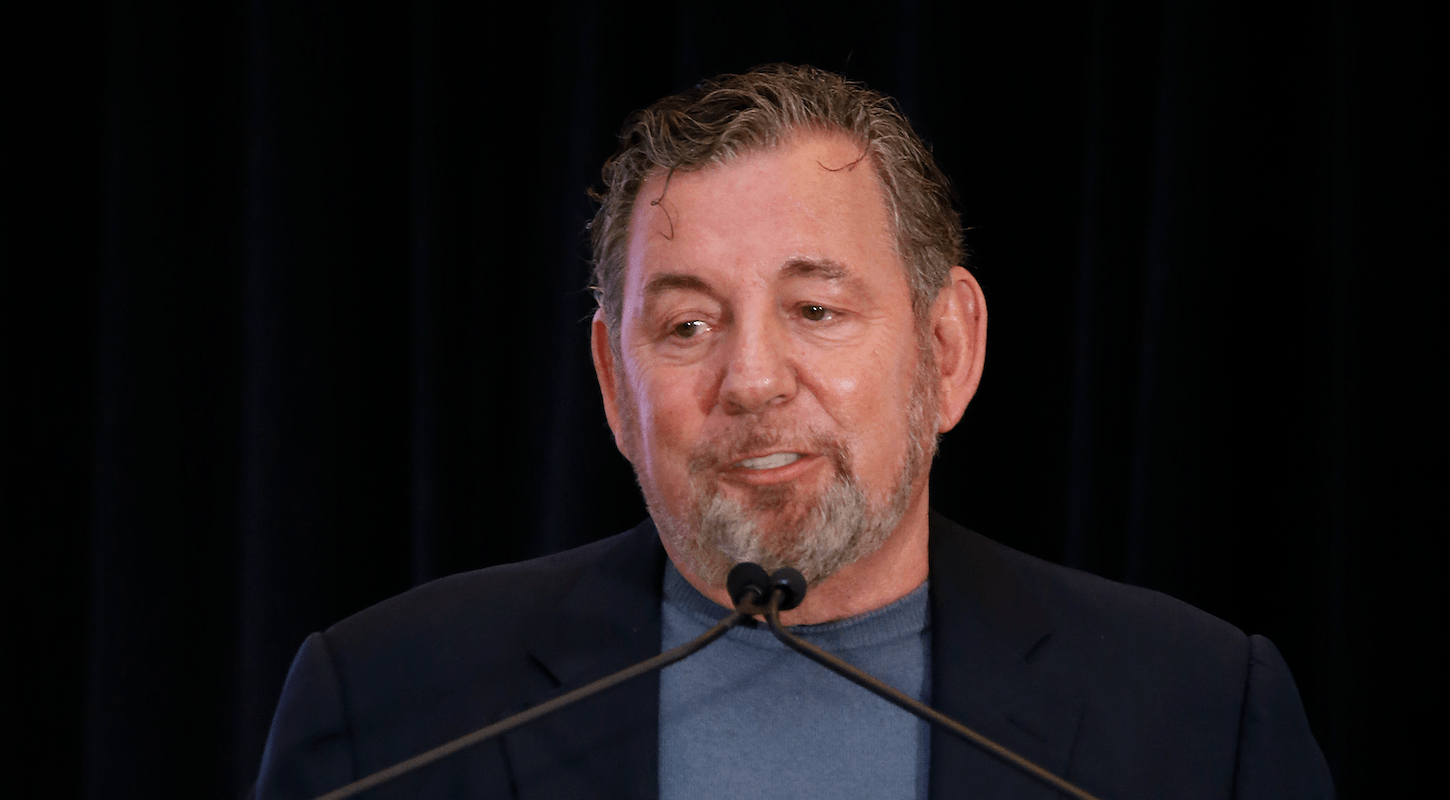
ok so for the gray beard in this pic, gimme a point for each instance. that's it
(838, 529)
(817, 535)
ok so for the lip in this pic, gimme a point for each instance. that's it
(758, 477)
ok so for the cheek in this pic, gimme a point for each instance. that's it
(868, 392)
(846, 386)
(873, 406)
(666, 419)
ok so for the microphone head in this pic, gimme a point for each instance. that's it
(745, 577)
(792, 585)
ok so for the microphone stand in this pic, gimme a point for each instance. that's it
(788, 589)
(747, 584)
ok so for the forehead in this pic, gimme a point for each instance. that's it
(816, 196)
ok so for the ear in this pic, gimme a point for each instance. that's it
(604, 370)
(959, 334)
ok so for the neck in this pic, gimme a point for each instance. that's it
(877, 580)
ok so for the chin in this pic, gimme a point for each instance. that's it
(818, 535)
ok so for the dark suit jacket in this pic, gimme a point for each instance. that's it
(1124, 691)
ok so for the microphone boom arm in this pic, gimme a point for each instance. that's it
(911, 704)
(543, 709)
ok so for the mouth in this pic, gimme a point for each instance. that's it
(771, 461)
(765, 458)
(780, 468)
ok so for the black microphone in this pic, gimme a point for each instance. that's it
(788, 589)
(748, 585)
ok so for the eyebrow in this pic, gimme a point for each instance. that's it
(669, 281)
(823, 268)
(815, 268)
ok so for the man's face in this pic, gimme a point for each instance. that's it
(773, 393)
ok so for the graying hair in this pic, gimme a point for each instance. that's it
(731, 115)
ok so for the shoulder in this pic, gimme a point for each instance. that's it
(474, 616)
(1129, 650)
(1184, 685)
(1096, 608)
(460, 647)
(1027, 597)
(439, 661)
(1153, 686)
(504, 592)
(1136, 665)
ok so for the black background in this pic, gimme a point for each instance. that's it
(295, 317)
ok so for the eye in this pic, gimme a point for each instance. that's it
(689, 328)
(815, 313)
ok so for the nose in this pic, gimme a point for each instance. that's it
(758, 370)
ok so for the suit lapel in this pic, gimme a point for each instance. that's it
(986, 623)
(606, 746)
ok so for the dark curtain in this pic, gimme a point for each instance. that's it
(295, 317)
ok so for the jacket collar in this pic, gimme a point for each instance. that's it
(986, 625)
(607, 745)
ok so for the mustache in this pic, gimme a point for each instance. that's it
(724, 452)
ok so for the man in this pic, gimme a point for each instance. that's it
(784, 331)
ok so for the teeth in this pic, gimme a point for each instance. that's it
(771, 461)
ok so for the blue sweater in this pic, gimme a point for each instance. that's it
(748, 717)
